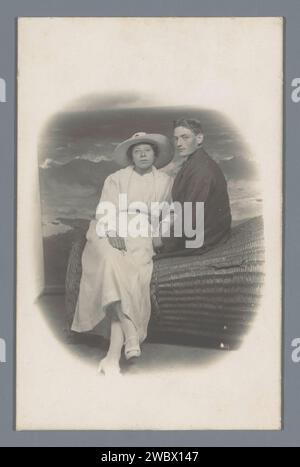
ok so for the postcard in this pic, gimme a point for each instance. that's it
(149, 223)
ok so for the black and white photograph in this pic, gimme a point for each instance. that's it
(149, 223)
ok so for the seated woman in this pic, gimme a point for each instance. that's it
(114, 293)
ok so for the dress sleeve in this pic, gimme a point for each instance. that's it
(107, 208)
(165, 216)
(167, 194)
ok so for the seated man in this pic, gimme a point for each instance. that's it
(199, 180)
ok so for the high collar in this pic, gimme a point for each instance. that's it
(151, 172)
(198, 153)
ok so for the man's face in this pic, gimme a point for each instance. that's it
(186, 142)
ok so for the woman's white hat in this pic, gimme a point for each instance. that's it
(165, 150)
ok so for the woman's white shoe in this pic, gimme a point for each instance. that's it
(109, 367)
(132, 348)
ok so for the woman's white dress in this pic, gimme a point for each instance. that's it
(110, 275)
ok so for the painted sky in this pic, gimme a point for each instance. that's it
(76, 147)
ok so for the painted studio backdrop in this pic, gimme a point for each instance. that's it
(75, 157)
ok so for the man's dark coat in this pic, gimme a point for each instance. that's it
(200, 179)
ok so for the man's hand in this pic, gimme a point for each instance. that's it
(116, 241)
(157, 243)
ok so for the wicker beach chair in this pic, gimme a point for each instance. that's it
(208, 300)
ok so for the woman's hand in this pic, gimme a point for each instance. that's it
(116, 241)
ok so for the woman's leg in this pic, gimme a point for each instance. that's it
(132, 345)
(122, 331)
(111, 363)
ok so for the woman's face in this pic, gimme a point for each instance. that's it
(143, 156)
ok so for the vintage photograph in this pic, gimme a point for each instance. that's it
(149, 223)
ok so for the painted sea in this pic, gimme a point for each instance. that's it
(75, 157)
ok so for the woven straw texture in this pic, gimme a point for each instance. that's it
(207, 300)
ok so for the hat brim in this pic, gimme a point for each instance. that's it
(165, 149)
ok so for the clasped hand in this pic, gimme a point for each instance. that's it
(116, 241)
(119, 242)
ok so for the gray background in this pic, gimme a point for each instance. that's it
(290, 9)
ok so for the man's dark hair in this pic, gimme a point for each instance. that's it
(130, 149)
(191, 123)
